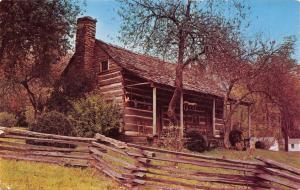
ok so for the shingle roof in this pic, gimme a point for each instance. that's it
(161, 72)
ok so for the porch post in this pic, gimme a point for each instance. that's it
(154, 127)
(181, 114)
(230, 119)
(249, 121)
(214, 116)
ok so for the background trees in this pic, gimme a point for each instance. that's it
(34, 35)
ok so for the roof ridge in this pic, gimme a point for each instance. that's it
(134, 52)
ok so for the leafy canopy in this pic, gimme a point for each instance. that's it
(164, 27)
(34, 35)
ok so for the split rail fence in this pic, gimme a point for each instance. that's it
(142, 166)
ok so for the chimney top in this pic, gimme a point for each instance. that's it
(87, 18)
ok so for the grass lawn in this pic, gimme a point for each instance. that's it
(22, 175)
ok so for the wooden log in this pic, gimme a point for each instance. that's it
(110, 81)
(124, 177)
(280, 165)
(116, 143)
(48, 140)
(120, 161)
(222, 180)
(186, 171)
(109, 148)
(197, 163)
(111, 173)
(27, 147)
(192, 155)
(217, 162)
(137, 111)
(101, 161)
(276, 172)
(60, 161)
(183, 184)
(44, 135)
(44, 153)
(138, 119)
(109, 75)
(271, 178)
(111, 87)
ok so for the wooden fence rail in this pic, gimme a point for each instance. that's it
(136, 165)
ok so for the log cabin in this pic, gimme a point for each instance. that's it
(143, 86)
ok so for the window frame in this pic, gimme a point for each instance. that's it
(101, 66)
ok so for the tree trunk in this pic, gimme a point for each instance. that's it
(285, 126)
(176, 94)
(226, 137)
(286, 142)
(227, 126)
(178, 79)
(32, 98)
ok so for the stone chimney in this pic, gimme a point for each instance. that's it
(84, 49)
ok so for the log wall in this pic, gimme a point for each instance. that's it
(110, 82)
(138, 108)
(134, 95)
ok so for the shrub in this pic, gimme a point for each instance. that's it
(235, 136)
(59, 102)
(170, 139)
(7, 119)
(259, 145)
(93, 115)
(54, 123)
(21, 119)
(196, 142)
(30, 116)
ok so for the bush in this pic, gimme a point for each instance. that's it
(54, 123)
(196, 142)
(21, 119)
(235, 137)
(170, 139)
(7, 119)
(93, 115)
(59, 102)
(260, 145)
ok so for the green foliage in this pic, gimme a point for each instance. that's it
(260, 145)
(170, 139)
(54, 123)
(21, 119)
(235, 136)
(7, 119)
(196, 142)
(41, 31)
(59, 102)
(93, 115)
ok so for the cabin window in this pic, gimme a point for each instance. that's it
(292, 145)
(104, 66)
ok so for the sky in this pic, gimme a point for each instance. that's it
(274, 19)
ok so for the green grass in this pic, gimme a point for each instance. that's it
(22, 175)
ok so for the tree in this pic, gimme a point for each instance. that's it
(241, 71)
(34, 35)
(264, 72)
(182, 32)
(280, 86)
